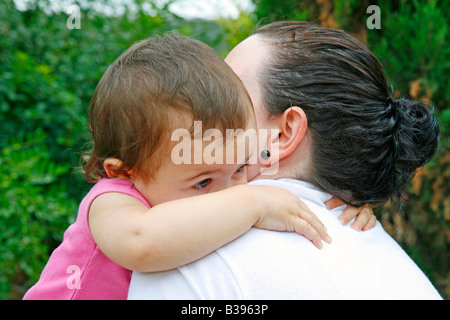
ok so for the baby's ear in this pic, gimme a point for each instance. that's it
(115, 168)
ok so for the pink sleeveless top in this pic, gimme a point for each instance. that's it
(77, 269)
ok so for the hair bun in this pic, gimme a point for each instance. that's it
(415, 137)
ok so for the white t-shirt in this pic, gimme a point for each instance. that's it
(282, 265)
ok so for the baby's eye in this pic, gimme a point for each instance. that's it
(241, 169)
(203, 184)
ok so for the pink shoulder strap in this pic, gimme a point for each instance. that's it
(105, 185)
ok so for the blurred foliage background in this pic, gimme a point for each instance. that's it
(48, 74)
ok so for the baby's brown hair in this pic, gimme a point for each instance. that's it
(144, 94)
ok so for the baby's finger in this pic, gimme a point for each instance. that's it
(369, 225)
(362, 218)
(348, 214)
(314, 221)
(304, 228)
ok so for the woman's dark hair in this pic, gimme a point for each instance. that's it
(366, 146)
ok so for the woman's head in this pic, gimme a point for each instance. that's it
(365, 146)
(157, 86)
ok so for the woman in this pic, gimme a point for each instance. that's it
(363, 146)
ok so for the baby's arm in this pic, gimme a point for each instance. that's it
(181, 231)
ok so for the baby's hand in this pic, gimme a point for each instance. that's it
(283, 211)
(365, 219)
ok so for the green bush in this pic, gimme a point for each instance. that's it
(34, 208)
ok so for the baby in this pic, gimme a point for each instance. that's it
(147, 212)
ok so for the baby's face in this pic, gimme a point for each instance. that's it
(197, 167)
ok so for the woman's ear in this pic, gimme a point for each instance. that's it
(115, 168)
(292, 124)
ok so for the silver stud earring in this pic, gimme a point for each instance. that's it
(265, 154)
